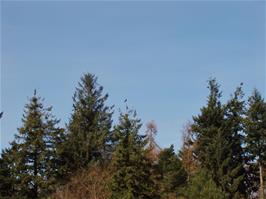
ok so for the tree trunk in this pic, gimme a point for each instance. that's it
(261, 190)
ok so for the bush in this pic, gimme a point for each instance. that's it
(91, 183)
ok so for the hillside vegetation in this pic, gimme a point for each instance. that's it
(223, 154)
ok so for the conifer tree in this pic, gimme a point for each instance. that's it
(202, 186)
(31, 154)
(6, 179)
(232, 171)
(89, 135)
(172, 174)
(208, 126)
(219, 149)
(54, 139)
(208, 130)
(131, 168)
(255, 129)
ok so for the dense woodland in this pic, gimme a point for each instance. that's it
(222, 157)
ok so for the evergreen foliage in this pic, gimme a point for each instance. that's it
(223, 154)
(218, 129)
(6, 179)
(208, 127)
(202, 186)
(131, 167)
(32, 157)
(233, 176)
(255, 125)
(172, 176)
(89, 135)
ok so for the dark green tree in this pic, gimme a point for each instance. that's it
(172, 176)
(218, 130)
(131, 167)
(233, 177)
(255, 129)
(202, 186)
(7, 181)
(31, 154)
(54, 139)
(89, 134)
(208, 126)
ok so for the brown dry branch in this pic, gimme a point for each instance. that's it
(189, 160)
(153, 148)
(86, 184)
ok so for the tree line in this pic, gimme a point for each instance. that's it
(223, 154)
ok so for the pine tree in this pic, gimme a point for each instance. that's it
(131, 168)
(31, 154)
(172, 174)
(255, 129)
(89, 135)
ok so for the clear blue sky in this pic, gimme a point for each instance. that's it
(158, 55)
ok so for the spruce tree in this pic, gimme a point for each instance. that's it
(7, 181)
(131, 167)
(202, 186)
(54, 139)
(89, 135)
(208, 126)
(218, 131)
(208, 130)
(31, 153)
(255, 129)
(233, 175)
(172, 176)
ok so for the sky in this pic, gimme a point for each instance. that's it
(157, 55)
